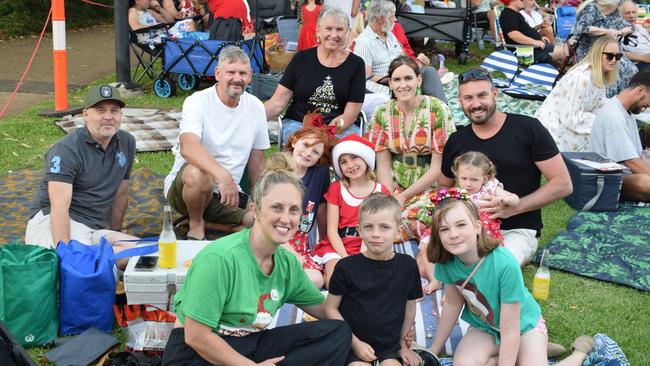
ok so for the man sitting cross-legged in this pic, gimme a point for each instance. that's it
(84, 193)
(222, 129)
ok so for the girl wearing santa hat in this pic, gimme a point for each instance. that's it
(354, 161)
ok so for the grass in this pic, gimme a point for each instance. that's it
(576, 305)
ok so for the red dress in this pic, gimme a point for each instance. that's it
(307, 37)
(348, 204)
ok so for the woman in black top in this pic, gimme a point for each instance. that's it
(327, 79)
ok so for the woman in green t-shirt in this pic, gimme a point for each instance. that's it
(236, 284)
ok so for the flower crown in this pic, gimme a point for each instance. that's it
(442, 194)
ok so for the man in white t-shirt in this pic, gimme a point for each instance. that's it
(223, 129)
(615, 135)
(637, 47)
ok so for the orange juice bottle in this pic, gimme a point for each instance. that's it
(167, 242)
(542, 280)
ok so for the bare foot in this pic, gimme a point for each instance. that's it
(197, 230)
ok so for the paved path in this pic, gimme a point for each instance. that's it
(90, 52)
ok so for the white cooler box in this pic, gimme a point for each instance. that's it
(158, 287)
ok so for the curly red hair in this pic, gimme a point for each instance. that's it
(321, 137)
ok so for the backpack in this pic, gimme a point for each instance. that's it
(11, 352)
(226, 29)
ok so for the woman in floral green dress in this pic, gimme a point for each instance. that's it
(409, 133)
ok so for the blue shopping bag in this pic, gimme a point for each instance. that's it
(87, 287)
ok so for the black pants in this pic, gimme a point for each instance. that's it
(319, 343)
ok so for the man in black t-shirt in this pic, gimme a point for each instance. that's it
(517, 32)
(521, 149)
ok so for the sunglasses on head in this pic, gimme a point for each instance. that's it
(472, 75)
(611, 55)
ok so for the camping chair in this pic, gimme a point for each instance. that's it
(288, 30)
(565, 19)
(361, 122)
(533, 83)
(146, 54)
(504, 62)
(499, 40)
(444, 24)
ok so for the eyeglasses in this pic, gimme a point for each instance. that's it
(611, 55)
(475, 74)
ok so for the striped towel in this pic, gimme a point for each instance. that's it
(426, 318)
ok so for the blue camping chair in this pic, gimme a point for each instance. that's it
(565, 19)
(502, 61)
(533, 83)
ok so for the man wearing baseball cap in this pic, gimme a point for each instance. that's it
(83, 195)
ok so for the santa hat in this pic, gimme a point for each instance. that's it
(355, 145)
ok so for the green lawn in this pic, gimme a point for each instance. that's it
(576, 305)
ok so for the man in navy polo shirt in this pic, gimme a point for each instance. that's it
(84, 193)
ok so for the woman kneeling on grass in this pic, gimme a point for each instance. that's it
(507, 327)
(237, 283)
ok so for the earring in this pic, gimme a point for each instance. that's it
(418, 90)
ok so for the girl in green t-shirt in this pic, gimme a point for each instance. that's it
(484, 281)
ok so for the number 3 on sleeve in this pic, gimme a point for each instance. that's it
(56, 164)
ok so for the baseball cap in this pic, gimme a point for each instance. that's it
(101, 93)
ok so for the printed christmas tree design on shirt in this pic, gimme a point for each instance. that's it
(324, 97)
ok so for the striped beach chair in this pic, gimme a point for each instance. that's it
(502, 61)
(534, 83)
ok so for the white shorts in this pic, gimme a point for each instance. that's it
(522, 243)
(326, 258)
(39, 232)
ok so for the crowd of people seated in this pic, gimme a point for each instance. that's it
(471, 196)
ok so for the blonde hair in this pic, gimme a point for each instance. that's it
(475, 159)
(594, 59)
(279, 171)
(436, 252)
(379, 201)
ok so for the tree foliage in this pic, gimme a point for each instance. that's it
(26, 17)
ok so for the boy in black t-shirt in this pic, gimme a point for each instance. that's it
(375, 291)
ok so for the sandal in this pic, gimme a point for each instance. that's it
(583, 344)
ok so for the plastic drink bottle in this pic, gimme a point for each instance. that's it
(167, 242)
(441, 65)
(542, 280)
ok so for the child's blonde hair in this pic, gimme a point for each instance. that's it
(475, 159)
(379, 201)
(436, 252)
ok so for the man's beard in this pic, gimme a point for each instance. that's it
(235, 93)
(388, 27)
(637, 108)
(490, 110)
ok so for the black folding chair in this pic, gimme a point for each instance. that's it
(146, 53)
(445, 24)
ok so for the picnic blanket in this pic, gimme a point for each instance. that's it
(143, 215)
(426, 318)
(609, 246)
(153, 129)
(505, 103)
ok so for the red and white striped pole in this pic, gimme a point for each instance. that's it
(59, 54)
